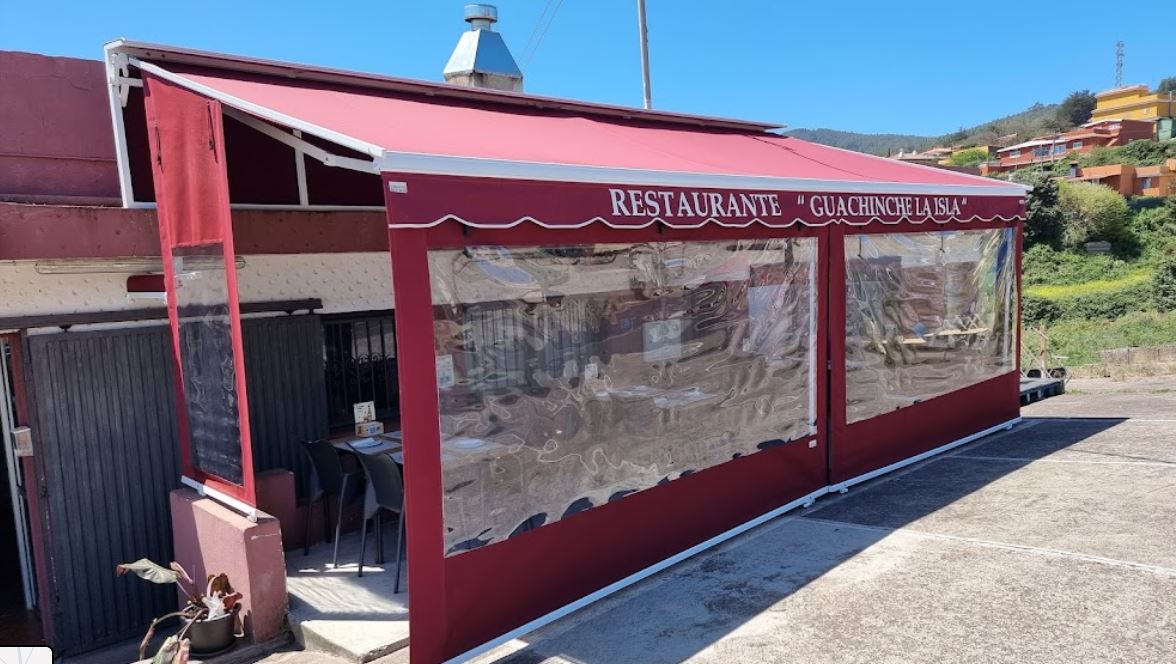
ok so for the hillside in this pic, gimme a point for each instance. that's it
(879, 144)
(1016, 127)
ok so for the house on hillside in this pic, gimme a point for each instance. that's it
(1081, 140)
(1129, 180)
(930, 157)
(1133, 102)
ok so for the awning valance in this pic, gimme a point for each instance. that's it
(422, 201)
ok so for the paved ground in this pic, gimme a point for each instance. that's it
(1055, 542)
(333, 610)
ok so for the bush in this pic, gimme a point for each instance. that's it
(1090, 305)
(1039, 310)
(969, 157)
(1164, 286)
(1042, 265)
(1043, 217)
(1092, 212)
(1080, 341)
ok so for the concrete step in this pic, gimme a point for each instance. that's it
(334, 611)
(354, 640)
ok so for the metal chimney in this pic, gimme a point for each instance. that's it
(481, 58)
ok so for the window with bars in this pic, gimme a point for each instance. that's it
(359, 353)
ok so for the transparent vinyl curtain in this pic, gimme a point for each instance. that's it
(926, 314)
(573, 376)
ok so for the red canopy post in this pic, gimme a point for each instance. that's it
(422, 436)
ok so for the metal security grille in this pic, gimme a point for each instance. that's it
(109, 454)
(359, 353)
(108, 450)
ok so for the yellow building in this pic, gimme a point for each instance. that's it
(1133, 102)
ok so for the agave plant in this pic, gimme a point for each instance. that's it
(217, 601)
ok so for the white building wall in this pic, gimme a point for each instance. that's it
(344, 282)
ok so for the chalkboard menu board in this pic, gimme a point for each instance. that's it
(210, 394)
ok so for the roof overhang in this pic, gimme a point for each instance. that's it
(369, 125)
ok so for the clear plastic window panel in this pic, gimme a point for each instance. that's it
(572, 376)
(206, 356)
(926, 314)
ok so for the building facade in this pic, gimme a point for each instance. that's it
(1130, 180)
(1081, 140)
(1133, 102)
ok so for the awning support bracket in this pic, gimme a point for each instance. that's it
(302, 147)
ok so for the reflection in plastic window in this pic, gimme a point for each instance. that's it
(572, 376)
(926, 314)
(206, 355)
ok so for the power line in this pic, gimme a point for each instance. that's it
(527, 57)
(535, 27)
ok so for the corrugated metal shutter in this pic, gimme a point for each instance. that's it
(287, 390)
(109, 455)
(109, 452)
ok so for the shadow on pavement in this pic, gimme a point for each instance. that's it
(697, 603)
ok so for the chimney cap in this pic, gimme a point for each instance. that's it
(476, 11)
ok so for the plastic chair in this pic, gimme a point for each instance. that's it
(328, 479)
(385, 492)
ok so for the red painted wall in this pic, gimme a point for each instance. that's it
(56, 143)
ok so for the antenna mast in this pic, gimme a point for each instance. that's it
(1119, 64)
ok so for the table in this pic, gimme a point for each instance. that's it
(390, 443)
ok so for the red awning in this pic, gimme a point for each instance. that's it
(646, 167)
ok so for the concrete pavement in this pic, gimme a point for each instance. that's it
(1054, 542)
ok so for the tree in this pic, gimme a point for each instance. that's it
(1043, 216)
(1076, 108)
(1167, 85)
(1092, 212)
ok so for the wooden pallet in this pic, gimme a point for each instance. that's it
(1036, 389)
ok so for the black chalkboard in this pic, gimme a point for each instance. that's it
(210, 391)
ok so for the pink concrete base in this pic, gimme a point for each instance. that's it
(276, 496)
(210, 538)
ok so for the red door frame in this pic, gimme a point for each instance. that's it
(22, 415)
(538, 572)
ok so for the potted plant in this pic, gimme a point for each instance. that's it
(210, 620)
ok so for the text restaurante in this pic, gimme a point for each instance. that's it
(652, 203)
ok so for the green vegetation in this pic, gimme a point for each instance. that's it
(1044, 224)
(877, 144)
(1167, 85)
(1093, 213)
(1079, 341)
(1075, 109)
(1092, 302)
(1136, 153)
(1037, 119)
(969, 157)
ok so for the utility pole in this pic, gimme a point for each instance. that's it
(1119, 64)
(644, 35)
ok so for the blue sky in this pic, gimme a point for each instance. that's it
(903, 67)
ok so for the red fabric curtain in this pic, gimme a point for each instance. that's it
(195, 227)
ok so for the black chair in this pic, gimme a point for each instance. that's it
(385, 493)
(328, 479)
